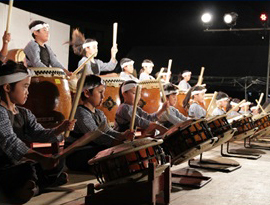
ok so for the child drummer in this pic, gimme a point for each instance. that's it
(244, 108)
(127, 69)
(147, 68)
(222, 100)
(185, 77)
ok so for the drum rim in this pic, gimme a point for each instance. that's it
(211, 119)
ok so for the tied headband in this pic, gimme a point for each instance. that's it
(89, 44)
(40, 26)
(233, 103)
(169, 92)
(16, 77)
(223, 99)
(186, 74)
(128, 86)
(244, 104)
(198, 91)
(90, 87)
(147, 65)
(127, 63)
(254, 108)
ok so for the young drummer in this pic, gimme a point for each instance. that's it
(87, 47)
(185, 77)
(175, 116)
(222, 100)
(255, 110)
(39, 54)
(244, 108)
(164, 75)
(234, 102)
(89, 119)
(4, 50)
(127, 67)
(18, 124)
(124, 112)
(147, 67)
(196, 94)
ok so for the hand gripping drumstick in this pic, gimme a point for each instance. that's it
(83, 64)
(160, 73)
(169, 70)
(260, 100)
(163, 95)
(9, 15)
(211, 103)
(261, 107)
(115, 25)
(136, 100)
(77, 98)
(237, 106)
(201, 77)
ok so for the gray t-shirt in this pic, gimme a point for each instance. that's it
(217, 111)
(126, 77)
(184, 85)
(196, 111)
(173, 118)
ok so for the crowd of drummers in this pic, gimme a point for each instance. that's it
(25, 172)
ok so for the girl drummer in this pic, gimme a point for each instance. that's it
(87, 47)
(18, 124)
(127, 69)
(185, 77)
(175, 116)
(89, 119)
(124, 112)
(147, 67)
(222, 100)
(196, 109)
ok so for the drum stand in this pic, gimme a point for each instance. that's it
(264, 143)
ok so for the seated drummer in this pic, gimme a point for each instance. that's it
(143, 120)
(194, 102)
(89, 119)
(164, 75)
(244, 108)
(234, 102)
(222, 100)
(175, 116)
(127, 69)
(39, 54)
(86, 48)
(21, 168)
(184, 78)
(255, 110)
(147, 68)
(4, 50)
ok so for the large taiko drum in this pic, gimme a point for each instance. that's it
(111, 99)
(187, 139)
(49, 96)
(262, 121)
(127, 159)
(16, 55)
(150, 96)
(179, 104)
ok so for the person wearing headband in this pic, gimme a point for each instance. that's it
(222, 100)
(86, 48)
(164, 75)
(143, 120)
(184, 78)
(175, 116)
(18, 124)
(244, 108)
(127, 69)
(232, 105)
(255, 110)
(89, 118)
(4, 50)
(194, 102)
(38, 54)
(147, 67)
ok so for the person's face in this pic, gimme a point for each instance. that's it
(97, 96)
(172, 99)
(92, 49)
(148, 69)
(224, 103)
(187, 78)
(20, 93)
(235, 108)
(199, 97)
(42, 34)
(129, 96)
(129, 69)
(255, 111)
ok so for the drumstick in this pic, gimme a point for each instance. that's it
(85, 139)
(169, 70)
(9, 15)
(260, 100)
(160, 73)
(163, 94)
(201, 77)
(136, 100)
(261, 107)
(83, 64)
(115, 25)
(237, 106)
(77, 98)
(210, 104)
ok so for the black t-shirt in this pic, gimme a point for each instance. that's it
(44, 55)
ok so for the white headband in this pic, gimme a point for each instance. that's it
(186, 74)
(147, 64)
(223, 99)
(88, 87)
(166, 92)
(233, 103)
(128, 86)
(254, 108)
(244, 104)
(89, 44)
(127, 63)
(15, 77)
(198, 91)
(39, 26)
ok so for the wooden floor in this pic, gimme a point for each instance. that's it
(249, 185)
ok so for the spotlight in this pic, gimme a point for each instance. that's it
(264, 19)
(207, 20)
(230, 19)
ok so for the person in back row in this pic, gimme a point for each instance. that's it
(147, 67)
(184, 78)
(127, 69)
(222, 100)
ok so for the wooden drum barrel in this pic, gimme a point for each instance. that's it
(16, 55)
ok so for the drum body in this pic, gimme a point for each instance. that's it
(218, 125)
(262, 122)
(16, 55)
(127, 159)
(49, 96)
(243, 125)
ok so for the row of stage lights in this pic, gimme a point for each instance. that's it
(229, 19)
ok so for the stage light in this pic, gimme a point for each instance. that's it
(264, 19)
(207, 20)
(230, 19)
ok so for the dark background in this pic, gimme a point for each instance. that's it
(163, 30)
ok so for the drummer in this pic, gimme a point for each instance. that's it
(4, 50)
(222, 100)
(143, 120)
(39, 54)
(88, 120)
(184, 78)
(244, 108)
(175, 116)
(196, 109)
(127, 69)
(147, 68)
(164, 75)
(86, 48)
(234, 102)
(255, 110)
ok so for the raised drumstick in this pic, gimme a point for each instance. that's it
(115, 25)
(136, 100)
(83, 64)
(169, 70)
(237, 106)
(160, 73)
(201, 77)
(211, 103)
(260, 100)
(163, 95)
(261, 107)
(9, 15)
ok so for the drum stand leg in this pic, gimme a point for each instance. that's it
(245, 155)
(247, 144)
(216, 164)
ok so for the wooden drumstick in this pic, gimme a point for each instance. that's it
(211, 103)
(163, 95)
(9, 15)
(136, 100)
(237, 106)
(160, 73)
(169, 70)
(83, 64)
(115, 25)
(77, 98)
(261, 107)
(201, 77)
(260, 100)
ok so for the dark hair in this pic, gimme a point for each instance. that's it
(91, 81)
(164, 71)
(221, 95)
(169, 87)
(124, 60)
(120, 89)
(180, 77)
(34, 23)
(188, 95)
(145, 61)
